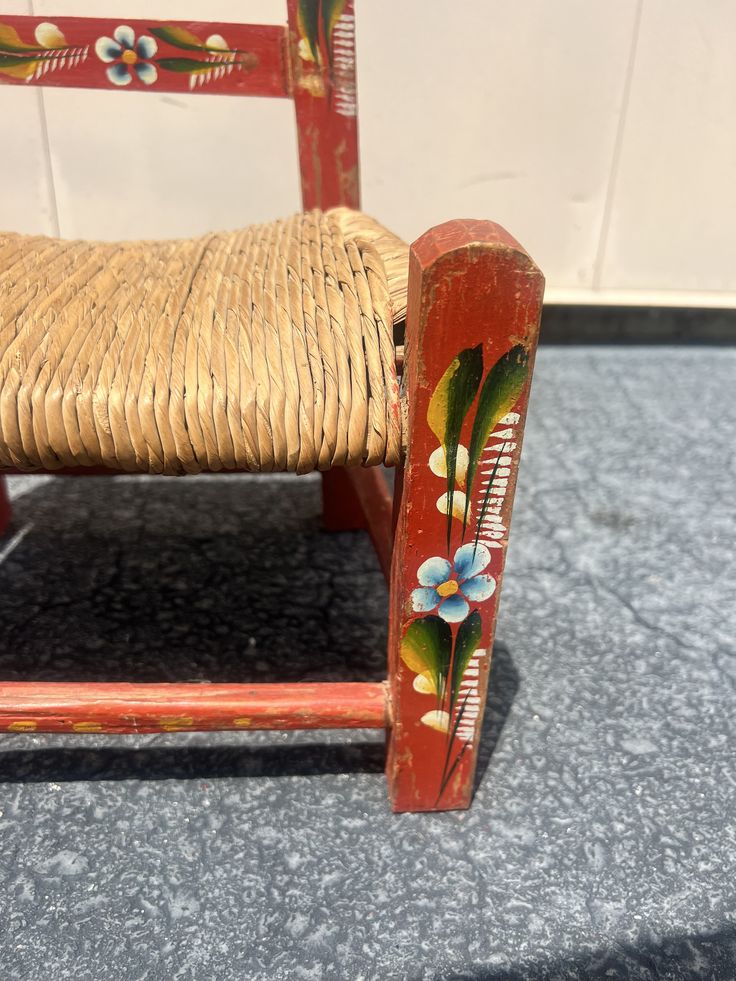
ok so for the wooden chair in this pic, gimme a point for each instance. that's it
(453, 430)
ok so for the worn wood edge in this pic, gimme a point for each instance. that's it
(441, 241)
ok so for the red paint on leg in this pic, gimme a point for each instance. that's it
(341, 510)
(474, 305)
(323, 79)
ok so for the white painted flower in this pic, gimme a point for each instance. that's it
(450, 587)
(123, 53)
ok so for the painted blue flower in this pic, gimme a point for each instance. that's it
(123, 49)
(452, 586)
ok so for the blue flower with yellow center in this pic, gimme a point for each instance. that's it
(123, 53)
(450, 587)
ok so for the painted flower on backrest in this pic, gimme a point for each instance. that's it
(123, 53)
(450, 587)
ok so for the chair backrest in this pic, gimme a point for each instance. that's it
(311, 60)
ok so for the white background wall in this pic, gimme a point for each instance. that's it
(602, 134)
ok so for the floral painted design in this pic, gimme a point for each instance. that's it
(127, 53)
(48, 52)
(449, 587)
(327, 52)
(441, 643)
(128, 56)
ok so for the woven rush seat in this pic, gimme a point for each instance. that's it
(265, 349)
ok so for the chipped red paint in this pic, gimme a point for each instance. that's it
(326, 114)
(255, 63)
(121, 708)
(470, 283)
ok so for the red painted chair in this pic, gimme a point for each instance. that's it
(474, 299)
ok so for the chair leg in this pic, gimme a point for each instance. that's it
(341, 509)
(473, 318)
(5, 510)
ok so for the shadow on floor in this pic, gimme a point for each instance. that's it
(188, 580)
(503, 684)
(187, 762)
(197, 581)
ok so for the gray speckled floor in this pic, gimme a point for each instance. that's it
(602, 842)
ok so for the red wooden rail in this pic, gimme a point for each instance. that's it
(145, 55)
(121, 708)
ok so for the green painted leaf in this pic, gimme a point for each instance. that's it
(189, 66)
(501, 388)
(308, 21)
(331, 13)
(178, 37)
(448, 407)
(466, 644)
(447, 774)
(10, 61)
(426, 648)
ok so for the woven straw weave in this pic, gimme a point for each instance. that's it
(266, 349)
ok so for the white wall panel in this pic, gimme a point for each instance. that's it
(144, 165)
(499, 110)
(26, 192)
(672, 215)
(138, 165)
(600, 134)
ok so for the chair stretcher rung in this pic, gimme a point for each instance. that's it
(118, 708)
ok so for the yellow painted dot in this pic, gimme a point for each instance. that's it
(87, 727)
(243, 722)
(129, 57)
(448, 588)
(172, 723)
(23, 725)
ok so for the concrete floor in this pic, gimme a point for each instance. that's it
(602, 841)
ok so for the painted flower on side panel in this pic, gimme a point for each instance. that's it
(125, 55)
(450, 587)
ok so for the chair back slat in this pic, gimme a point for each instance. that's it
(145, 55)
(312, 61)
